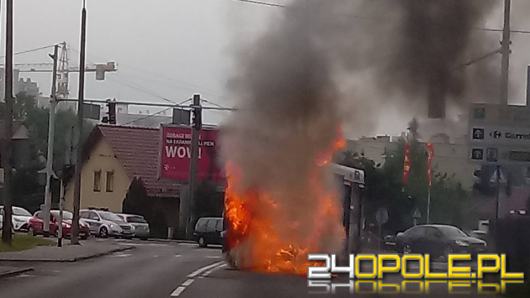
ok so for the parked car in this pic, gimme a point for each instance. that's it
(208, 230)
(105, 223)
(140, 225)
(482, 235)
(36, 224)
(20, 218)
(438, 240)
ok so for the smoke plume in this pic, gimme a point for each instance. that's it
(327, 63)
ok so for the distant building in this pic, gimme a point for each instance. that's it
(28, 87)
(142, 120)
(450, 153)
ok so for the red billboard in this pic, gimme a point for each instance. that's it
(175, 154)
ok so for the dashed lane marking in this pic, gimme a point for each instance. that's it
(187, 282)
(213, 269)
(121, 255)
(203, 271)
(178, 291)
(205, 268)
(213, 257)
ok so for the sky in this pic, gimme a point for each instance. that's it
(174, 48)
(163, 48)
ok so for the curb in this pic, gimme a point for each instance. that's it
(171, 240)
(71, 260)
(15, 272)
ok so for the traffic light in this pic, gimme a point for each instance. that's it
(197, 118)
(111, 118)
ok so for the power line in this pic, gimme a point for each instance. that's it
(30, 51)
(147, 117)
(517, 31)
(263, 3)
(213, 103)
(141, 89)
(157, 113)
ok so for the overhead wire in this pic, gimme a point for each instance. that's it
(157, 77)
(263, 3)
(31, 51)
(157, 113)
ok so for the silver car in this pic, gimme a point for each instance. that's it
(141, 227)
(105, 223)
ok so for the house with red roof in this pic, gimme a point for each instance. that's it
(120, 163)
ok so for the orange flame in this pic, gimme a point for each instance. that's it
(257, 242)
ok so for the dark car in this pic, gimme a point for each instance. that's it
(438, 241)
(208, 231)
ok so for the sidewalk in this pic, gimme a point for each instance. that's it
(67, 253)
(6, 271)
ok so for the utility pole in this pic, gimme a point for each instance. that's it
(505, 50)
(51, 140)
(79, 151)
(8, 125)
(195, 132)
(498, 191)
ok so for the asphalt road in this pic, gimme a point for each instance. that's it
(169, 269)
(153, 269)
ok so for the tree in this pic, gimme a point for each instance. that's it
(384, 188)
(36, 121)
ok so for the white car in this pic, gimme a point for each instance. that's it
(20, 218)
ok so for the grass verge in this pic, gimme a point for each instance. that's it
(23, 242)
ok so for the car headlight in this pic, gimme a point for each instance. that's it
(461, 243)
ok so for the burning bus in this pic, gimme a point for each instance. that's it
(254, 240)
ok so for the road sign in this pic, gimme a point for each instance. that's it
(499, 134)
(92, 111)
(506, 135)
(381, 216)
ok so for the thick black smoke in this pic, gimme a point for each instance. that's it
(330, 62)
(434, 41)
(327, 62)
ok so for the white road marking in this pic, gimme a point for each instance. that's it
(178, 291)
(213, 269)
(187, 282)
(213, 257)
(188, 244)
(201, 270)
(143, 244)
(178, 256)
(121, 255)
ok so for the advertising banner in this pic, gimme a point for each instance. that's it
(175, 154)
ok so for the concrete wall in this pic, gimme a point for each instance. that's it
(102, 158)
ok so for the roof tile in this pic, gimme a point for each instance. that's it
(137, 149)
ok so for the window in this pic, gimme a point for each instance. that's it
(110, 181)
(97, 181)
(210, 226)
(93, 216)
(219, 227)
